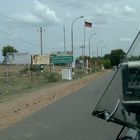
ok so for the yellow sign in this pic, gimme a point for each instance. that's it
(40, 59)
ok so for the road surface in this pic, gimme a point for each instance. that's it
(67, 119)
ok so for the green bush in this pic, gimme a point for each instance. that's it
(95, 69)
(107, 64)
(24, 70)
(52, 77)
(34, 68)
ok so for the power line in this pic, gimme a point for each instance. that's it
(6, 18)
(54, 36)
(27, 24)
(20, 39)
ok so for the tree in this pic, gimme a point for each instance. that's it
(107, 63)
(8, 49)
(106, 56)
(116, 57)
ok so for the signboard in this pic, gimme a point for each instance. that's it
(61, 59)
(62, 53)
(40, 59)
(66, 74)
(18, 58)
(10, 58)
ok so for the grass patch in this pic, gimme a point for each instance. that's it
(20, 80)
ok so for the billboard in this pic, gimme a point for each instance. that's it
(10, 58)
(18, 58)
(62, 53)
(61, 57)
(40, 59)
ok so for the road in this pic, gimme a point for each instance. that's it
(67, 119)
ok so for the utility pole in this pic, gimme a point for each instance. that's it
(41, 40)
(64, 39)
(41, 31)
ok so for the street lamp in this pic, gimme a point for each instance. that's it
(72, 31)
(89, 41)
(98, 46)
(82, 47)
(101, 50)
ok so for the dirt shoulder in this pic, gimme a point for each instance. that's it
(21, 106)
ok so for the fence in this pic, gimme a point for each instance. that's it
(14, 78)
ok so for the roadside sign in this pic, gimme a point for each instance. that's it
(66, 74)
(40, 59)
(62, 53)
(18, 58)
(61, 59)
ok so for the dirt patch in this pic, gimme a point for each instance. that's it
(22, 106)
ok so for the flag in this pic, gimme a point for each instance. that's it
(88, 24)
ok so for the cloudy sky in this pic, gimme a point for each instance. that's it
(116, 22)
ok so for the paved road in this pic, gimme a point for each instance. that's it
(67, 119)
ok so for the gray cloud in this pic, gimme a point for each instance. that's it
(105, 13)
(125, 39)
(75, 4)
(82, 3)
(129, 15)
(25, 17)
(129, 10)
(41, 15)
(107, 10)
(100, 21)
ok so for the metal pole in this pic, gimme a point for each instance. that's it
(101, 50)
(64, 39)
(41, 44)
(84, 38)
(89, 41)
(72, 32)
(83, 66)
(97, 51)
(92, 54)
(89, 48)
(98, 46)
(82, 47)
(41, 40)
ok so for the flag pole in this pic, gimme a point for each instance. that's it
(84, 48)
(86, 24)
(84, 37)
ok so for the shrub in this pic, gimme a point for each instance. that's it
(52, 77)
(95, 69)
(24, 70)
(107, 64)
(34, 68)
